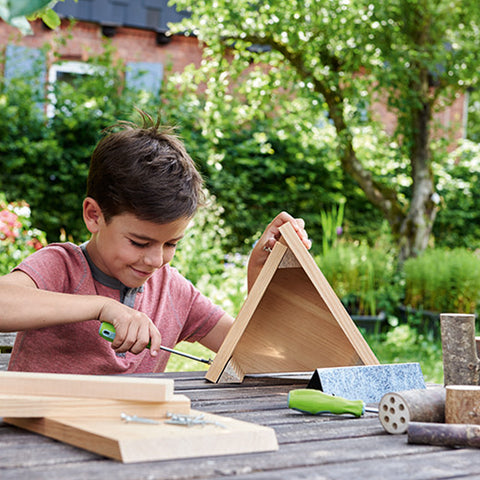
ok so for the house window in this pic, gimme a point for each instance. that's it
(68, 72)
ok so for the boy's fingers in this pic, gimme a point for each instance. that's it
(142, 339)
(273, 233)
(120, 335)
(155, 340)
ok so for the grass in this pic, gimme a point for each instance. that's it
(404, 345)
(178, 363)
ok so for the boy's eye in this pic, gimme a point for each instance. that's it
(137, 244)
(171, 245)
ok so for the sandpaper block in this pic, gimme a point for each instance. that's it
(367, 382)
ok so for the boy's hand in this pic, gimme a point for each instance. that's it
(134, 329)
(268, 239)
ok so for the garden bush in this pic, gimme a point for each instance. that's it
(201, 258)
(443, 280)
(364, 278)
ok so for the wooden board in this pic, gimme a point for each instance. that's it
(88, 386)
(27, 406)
(133, 442)
(291, 321)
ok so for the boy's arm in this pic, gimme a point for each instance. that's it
(215, 337)
(24, 306)
(260, 252)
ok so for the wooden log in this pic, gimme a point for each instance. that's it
(397, 410)
(444, 434)
(462, 404)
(461, 365)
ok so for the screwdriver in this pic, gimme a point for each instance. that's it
(107, 331)
(314, 401)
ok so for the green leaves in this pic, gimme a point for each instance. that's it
(19, 12)
(25, 8)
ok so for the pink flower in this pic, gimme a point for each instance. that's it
(9, 225)
(35, 243)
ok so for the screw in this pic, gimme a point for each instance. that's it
(134, 419)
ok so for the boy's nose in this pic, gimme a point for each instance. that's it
(154, 258)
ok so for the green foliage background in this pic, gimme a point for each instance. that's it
(254, 165)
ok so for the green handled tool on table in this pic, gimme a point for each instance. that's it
(312, 401)
(107, 331)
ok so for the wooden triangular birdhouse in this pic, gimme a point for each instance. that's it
(291, 321)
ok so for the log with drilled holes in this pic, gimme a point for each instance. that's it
(397, 410)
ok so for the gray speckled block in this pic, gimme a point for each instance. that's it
(367, 382)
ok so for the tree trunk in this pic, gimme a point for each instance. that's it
(416, 228)
(412, 229)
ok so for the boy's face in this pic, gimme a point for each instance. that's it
(131, 250)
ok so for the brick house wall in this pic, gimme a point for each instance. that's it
(131, 44)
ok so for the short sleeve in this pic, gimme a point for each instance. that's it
(57, 268)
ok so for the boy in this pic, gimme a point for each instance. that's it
(142, 191)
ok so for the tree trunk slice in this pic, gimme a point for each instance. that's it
(463, 404)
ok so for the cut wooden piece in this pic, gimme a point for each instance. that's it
(461, 365)
(231, 373)
(462, 404)
(291, 321)
(134, 442)
(88, 386)
(23, 406)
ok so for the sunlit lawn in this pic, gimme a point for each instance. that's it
(182, 364)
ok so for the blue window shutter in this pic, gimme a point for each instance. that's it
(144, 76)
(29, 65)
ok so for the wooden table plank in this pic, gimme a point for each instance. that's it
(327, 446)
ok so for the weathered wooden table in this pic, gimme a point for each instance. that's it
(320, 447)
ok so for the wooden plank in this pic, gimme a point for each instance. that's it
(87, 386)
(43, 406)
(291, 321)
(135, 442)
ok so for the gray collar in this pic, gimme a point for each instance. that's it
(127, 294)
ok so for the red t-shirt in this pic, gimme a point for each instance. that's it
(177, 308)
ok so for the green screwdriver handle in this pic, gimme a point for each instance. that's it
(315, 402)
(107, 331)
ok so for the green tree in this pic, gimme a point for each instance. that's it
(344, 56)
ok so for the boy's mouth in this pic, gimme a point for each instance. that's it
(141, 273)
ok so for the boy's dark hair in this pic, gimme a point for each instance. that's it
(144, 170)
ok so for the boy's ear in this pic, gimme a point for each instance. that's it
(92, 214)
